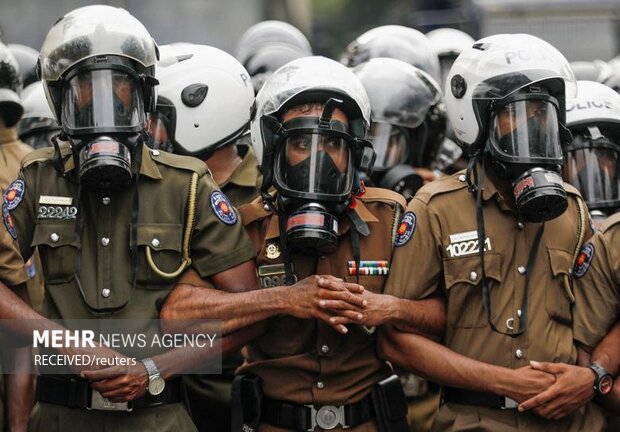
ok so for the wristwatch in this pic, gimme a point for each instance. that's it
(156, 382)
(603, 382)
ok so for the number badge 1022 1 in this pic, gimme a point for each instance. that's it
(57, 212)
(466, 243)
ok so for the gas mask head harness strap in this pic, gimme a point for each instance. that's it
(315, 192)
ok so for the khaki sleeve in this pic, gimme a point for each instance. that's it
(219, 241)
(597, 297)
(12, 270)
(416, 264)
(22, 214)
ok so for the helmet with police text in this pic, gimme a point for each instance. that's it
(27, 59)
(509, 90)
(592, 159)
(448, 43)
(205, 99)
(38, 124)
(97, 65)
(10, 87)
(407, 109)
(394, 41)
(270, 33)
(324, 140)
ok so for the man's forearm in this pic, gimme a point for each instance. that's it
(427, 317)
(607, 352)
(20, 388)
(236, 310)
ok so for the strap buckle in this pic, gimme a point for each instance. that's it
(327, 417)
(98, 402)
(508, 403)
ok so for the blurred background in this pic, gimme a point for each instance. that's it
(581, 29)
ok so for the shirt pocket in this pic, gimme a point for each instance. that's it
(165, 244)
(57, 244)
(557, 300)
(462, 277)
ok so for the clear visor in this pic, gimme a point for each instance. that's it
(390, 144)
(102, 98)
(316, 164)
(157, 128)
(527, 130)
(594, 172)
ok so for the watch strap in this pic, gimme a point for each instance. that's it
(151, 367)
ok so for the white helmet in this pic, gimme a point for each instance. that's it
(592, 159)
(313, 78)
(495, 68)
(38, 120)
(206, 96)
(449, 41)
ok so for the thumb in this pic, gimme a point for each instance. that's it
(552, 368)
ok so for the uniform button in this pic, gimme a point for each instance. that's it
(462, 178)
(105, 200)
(54, 237)
(105, 293)
(320, 385)
(266, 207)
(155, 152)
(521, 270)
(155, 243)
(322, 257)
(324, 349)
(519, 313)
(473, 276)
(520, 226)
(519, 354)
(105, 241)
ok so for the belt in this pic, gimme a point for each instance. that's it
(308, 417)
(77, 393)
(470, 397)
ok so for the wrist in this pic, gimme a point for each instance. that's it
(504, 382)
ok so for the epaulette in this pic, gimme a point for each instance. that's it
(612, 220)
(571, 189)
(253, 211)
(44, 154)
(383, 195)
(188, 163)
(442, 185)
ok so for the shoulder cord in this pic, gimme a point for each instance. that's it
(187, 236)
(581, 232)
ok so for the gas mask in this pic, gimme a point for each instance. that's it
(103, 116)
(524, 149)
(313, 172)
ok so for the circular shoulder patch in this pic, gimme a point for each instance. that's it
(14, 194)
(583, 260)
(405, 229)
(8, 222)
(222, 208)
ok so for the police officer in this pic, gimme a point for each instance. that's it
(268, 45)
(205, 97)
(408, 121)
(309, 129)
(499, 241)
(592, 159)
(109, 217)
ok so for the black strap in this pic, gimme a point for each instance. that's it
(135, 212)
(298, 417)
(470, 397)
(358, 226)
(289, 277)
(74, 392)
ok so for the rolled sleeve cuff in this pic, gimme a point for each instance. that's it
(210, 265)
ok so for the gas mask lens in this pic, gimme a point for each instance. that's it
(390, 144)
(315, 163)
(526, 131)
(102, 98)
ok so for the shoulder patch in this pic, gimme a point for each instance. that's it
(222, 208)
(188, 163)
(8, 223)
(14, 194)
(441, 186)
(583, 260)
(406, 228)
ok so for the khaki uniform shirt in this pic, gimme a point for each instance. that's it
(106, 271)
(305, 361)
(442, 255)
(597, 283)
(243, 186)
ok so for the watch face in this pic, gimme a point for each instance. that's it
(156, 386)
(606, 384)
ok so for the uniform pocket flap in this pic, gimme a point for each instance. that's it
(561, 261)
(469, 269)
(54, 234)
(161, 236)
